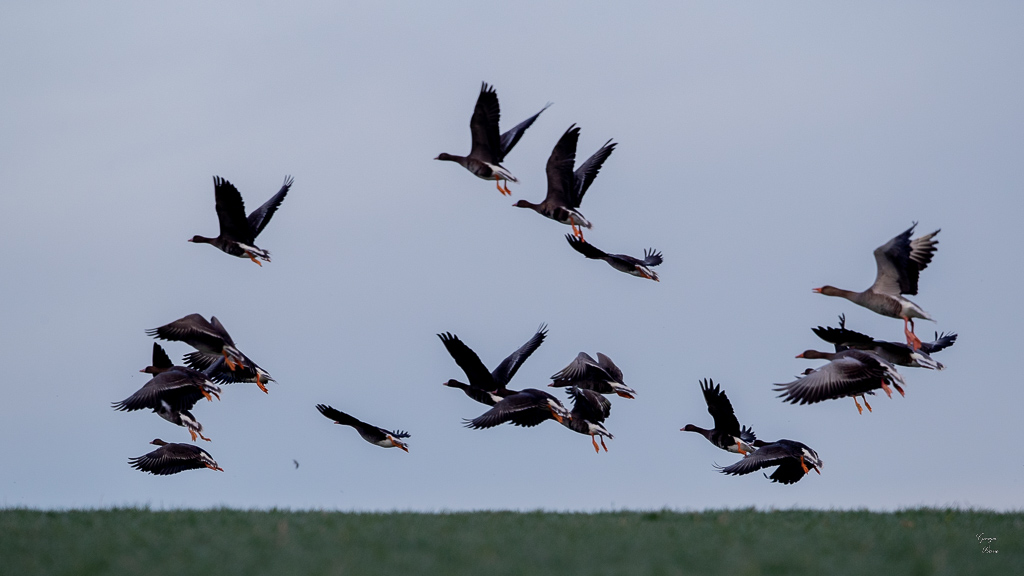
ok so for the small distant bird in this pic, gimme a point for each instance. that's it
(899, 262)
(296, 464)
(727, 433)
(171, 393)
(620, 262)
(489, 149)
(848, 373)
(212, 341)
(526, 408)
(589, 411)
(488, 387)
(369, 432)
(893, 352)
(171, 458)
(237, 232)
(601, 376)
(794, 461)
(565, 187)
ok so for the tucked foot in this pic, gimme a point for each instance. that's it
(253, 258)
(899, 389)
(260, 384)
(231, 363)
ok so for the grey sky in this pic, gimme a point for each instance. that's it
(765, 148)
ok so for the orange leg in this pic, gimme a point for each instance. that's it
(885, 387)
(231, 363)
(804, 466)
(912, 340)
(262, 387)
(192, 432)
(898, 389)
(602, 444)
(207, 394)
(859, 409)
(253, 258)
(201, 436)
(865, 399)
(497, 183)
(594, 442)
(739, 447)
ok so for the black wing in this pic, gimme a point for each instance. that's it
(586, 248)
(941, 341)
(559, 169)
(720, 408)
(522, 409)
(585, 174)
(231, 212)
(483, 126)
(342, 418)
(509, 139)
(191, 328)
(470, 363)
(169, 459)
(261, 216)
(767, 456)
(503, 374)
(160, 357)
(589, 405)
(652, 257)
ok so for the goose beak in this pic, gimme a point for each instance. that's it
(816, 290)
(800, 355)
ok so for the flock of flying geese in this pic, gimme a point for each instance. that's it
(858, 367)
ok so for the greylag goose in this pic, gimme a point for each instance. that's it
(727, 433)
(620, 262)
(237, 232)
(369, 432)
(171, 393)
(488, 387)
(171, 458)
(899, 262)
(565, 187)
(896, 353)
(589, 411)
(212, 341)
(489, 149)
(601, 376)
(526, 408)
(848, 373)
(794, 460)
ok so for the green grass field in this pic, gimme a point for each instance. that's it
(738, 542)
